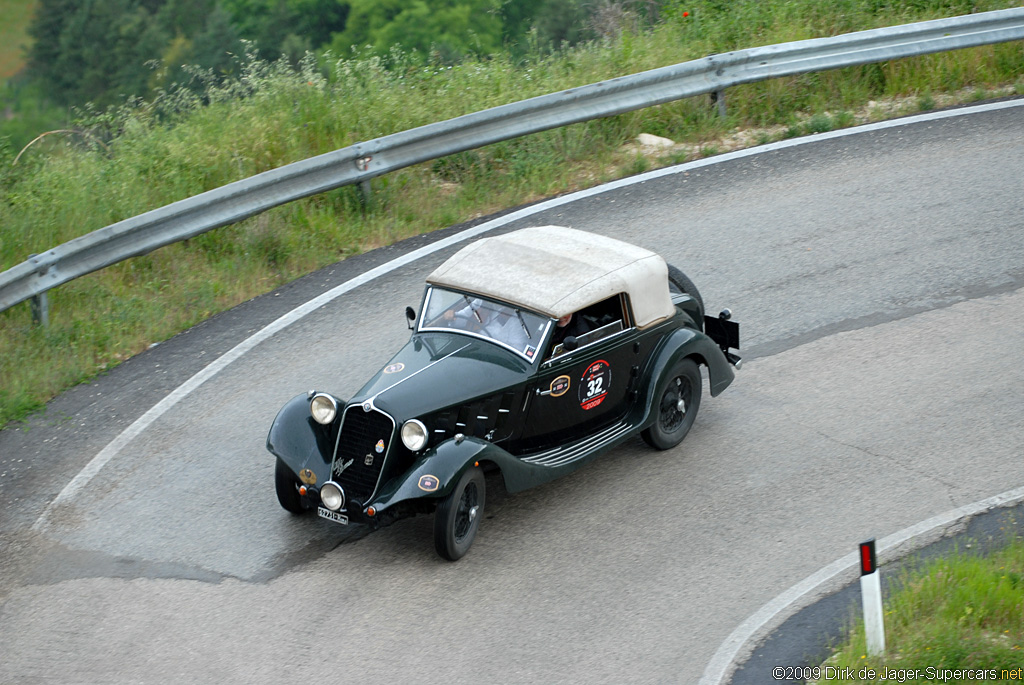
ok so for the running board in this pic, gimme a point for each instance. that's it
(560, 456)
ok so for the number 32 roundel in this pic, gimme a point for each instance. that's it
(594, 385)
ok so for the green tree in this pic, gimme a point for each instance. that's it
(561, 23)
(47, 26)
(444, 30)
(102, 52)
(288, 26)
(517, 18)
(212, 45)
(318, 20)
(184, 17)
(215, 45)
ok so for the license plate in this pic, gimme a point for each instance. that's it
(332, 516)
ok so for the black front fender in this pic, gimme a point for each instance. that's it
(302, 443)
(435, 472)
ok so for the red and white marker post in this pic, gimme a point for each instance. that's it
(871, 597)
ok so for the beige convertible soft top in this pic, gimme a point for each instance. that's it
(557, 271)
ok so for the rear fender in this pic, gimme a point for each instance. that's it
(687, 342)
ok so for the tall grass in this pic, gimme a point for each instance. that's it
(145, 155)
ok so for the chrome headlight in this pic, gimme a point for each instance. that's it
(414, 435)
(332, 496)
(323, 407)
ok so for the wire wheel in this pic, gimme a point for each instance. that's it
(674, 403)
(457, 518)
(678, 399)
(466, 513)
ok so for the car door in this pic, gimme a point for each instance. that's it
(578, 392)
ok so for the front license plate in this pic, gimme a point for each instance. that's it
(332, 516)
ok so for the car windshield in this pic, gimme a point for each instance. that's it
(517, 329)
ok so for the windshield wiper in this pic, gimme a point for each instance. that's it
(524, 325)
(470, 305)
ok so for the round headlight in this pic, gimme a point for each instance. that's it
(332, 496)
(323, 408)
(414, 435)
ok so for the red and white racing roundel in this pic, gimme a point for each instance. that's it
(594, 384)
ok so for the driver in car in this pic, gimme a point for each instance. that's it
(573, 325)
(502, 326)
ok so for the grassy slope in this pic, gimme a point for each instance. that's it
(958, 612)
(59, 191)
(14, 19)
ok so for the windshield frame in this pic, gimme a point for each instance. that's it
(477, 304)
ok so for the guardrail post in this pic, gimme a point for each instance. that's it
(718, 98)
(40, 310)
(40, 305)
(363, 164)
(366, 193)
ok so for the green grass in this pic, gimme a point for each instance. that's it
(148, 154)
(958, 612)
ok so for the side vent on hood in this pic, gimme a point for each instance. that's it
(488, 418)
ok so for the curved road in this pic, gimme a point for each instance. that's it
(877, 277)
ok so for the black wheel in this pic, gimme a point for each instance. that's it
(678, 282)
(287, 486)
(458, 515)
(678, 399)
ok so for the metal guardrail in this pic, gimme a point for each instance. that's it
(363, 161)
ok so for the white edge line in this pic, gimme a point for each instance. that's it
(834, 577)
(185, 389)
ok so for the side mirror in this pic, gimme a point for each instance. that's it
(410, 314)
(570, 343)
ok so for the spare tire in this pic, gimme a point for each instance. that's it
(678, 282)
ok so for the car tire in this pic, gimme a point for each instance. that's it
(287, 486)
(671, 421)
(678, 282)
(457, 518)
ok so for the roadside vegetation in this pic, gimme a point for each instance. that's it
(959, 612)
(220, 126)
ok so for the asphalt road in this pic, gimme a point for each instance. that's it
(877, 279)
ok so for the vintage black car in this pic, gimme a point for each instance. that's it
(534, 352)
